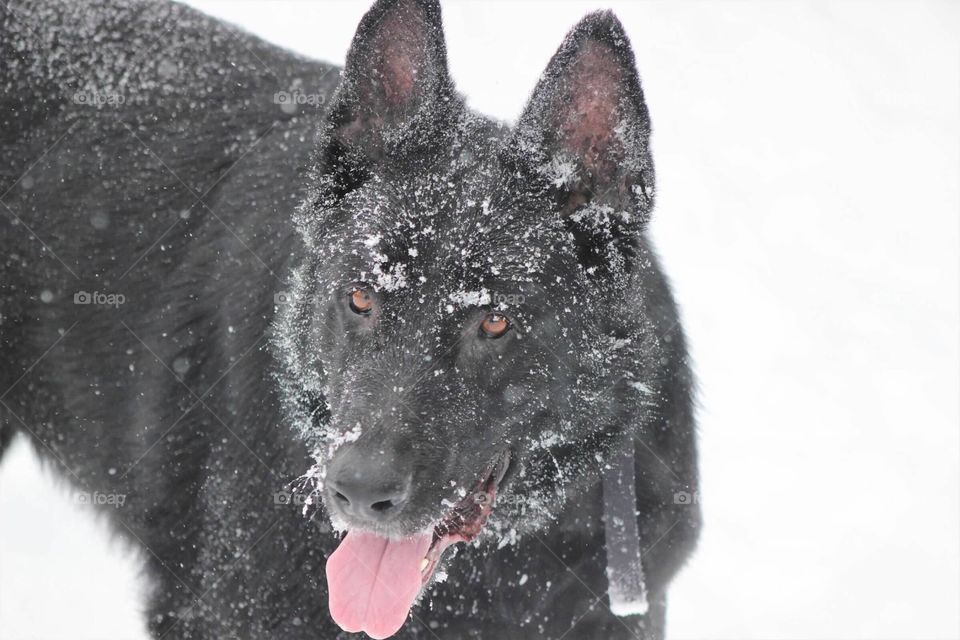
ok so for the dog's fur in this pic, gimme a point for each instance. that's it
(234, 228)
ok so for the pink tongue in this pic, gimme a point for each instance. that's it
(373, 581)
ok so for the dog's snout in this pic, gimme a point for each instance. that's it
(368, 487)
(370, 500)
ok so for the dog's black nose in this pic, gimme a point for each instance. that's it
(371, 487)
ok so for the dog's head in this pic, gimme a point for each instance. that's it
(467, 316)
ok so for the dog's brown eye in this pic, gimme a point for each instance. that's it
(494, 325)
(361, 301)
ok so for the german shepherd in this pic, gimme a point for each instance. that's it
(298, 331)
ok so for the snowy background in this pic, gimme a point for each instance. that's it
(808, 164)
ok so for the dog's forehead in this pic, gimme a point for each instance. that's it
(447, 237)
(454, 226)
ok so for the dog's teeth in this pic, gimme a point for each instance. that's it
(424, 564)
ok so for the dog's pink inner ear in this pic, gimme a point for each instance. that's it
(399, 53)
(590, 110)
(399, 60)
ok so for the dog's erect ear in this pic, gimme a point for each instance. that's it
(587, 123)
(395, 87)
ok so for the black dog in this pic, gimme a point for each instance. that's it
(244, 307)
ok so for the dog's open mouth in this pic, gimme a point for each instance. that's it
(374, 580)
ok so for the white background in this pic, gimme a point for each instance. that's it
(808, 159)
